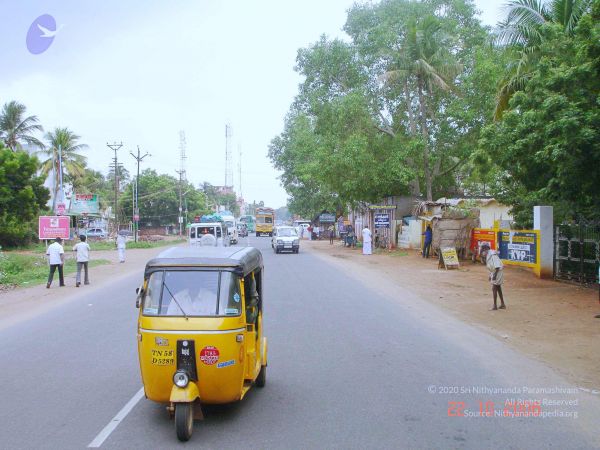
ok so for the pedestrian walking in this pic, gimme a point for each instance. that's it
(82, 252)
(367, 247)
(121, 245)
(496, 269)
(331, 234)
(56, 260)
(427, 243)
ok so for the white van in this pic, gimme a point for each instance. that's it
(209, 234)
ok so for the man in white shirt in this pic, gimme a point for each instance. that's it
(204, 303)
(366, 241)
(82, 250)
(56, 259)
(121, 244)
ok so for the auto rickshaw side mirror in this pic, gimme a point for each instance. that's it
(139, 291)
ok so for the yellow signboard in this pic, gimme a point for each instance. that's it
(450, 257)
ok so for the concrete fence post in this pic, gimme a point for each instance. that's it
(543, 221)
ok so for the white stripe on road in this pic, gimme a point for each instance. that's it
(105, 433)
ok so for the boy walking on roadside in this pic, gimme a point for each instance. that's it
(56, 259)
(82, 250)
(495, 267)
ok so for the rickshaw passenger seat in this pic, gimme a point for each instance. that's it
(252, 302)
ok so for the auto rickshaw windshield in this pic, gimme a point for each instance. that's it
(192, 293)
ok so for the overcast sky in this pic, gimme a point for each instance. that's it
(139, 72)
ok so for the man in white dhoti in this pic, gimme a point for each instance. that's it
(366, 241)
(121, 244)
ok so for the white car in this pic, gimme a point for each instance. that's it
(285, 239)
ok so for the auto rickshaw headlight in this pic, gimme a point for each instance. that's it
(181, 379)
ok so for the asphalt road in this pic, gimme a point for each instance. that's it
(351, 365)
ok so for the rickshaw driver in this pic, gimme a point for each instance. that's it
(202, 304)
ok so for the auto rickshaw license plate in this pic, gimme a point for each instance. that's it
(163, 357)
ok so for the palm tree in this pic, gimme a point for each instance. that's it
(427, 65)
(522, 30)
(15, 128)
(73, 163)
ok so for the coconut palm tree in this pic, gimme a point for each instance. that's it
(424, 66)
(15, 128)
(522, 30)
(73, 163)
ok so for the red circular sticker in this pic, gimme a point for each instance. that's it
(209, 355)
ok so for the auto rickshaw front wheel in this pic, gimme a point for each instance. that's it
(261, 379)
(184, 420)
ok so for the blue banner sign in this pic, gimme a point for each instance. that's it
(327, 218)
(518, 246)
(382, 220)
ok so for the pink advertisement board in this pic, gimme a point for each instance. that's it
(52, 227)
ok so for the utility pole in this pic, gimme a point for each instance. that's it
(136, 208)
(182, 177)
(116, 147)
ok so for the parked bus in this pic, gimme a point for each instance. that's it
(250, 222)
(265, 217)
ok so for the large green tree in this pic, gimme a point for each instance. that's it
(523, 35)
(16, 128)
(22, 195)
(396, 110)
(547, 146)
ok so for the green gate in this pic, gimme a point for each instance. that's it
(577, 252)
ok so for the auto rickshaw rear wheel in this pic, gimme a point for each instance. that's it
(261, 379)
(184, 420)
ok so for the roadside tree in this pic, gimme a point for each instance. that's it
(22, 196)
(16, 128)
(547, 146)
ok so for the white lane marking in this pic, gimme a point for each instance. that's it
(105, 433)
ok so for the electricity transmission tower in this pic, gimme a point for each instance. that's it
(182, 176)
(228, 156)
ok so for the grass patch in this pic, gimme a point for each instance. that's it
(144, 244)
(40, 247)
(28, 270)
(394, 252)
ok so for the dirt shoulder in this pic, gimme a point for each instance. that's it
(549, 321)
(25, 302)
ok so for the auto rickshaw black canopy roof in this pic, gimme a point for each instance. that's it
(242, 260)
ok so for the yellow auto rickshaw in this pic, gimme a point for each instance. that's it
(200, 337)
